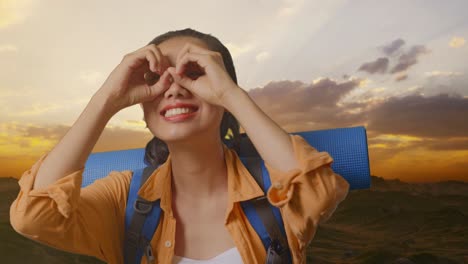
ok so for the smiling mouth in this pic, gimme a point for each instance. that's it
(185, 111)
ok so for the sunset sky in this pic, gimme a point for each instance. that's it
(399, 68)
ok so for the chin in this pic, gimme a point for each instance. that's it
(167, 134)
(196, 129)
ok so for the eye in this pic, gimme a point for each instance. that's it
(193, 70)
(151, 78)
(193, 74)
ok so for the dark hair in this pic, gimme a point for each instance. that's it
(156, 151)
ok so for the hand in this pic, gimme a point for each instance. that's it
(137, 78)
(202, 72)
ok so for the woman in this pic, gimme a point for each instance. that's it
(200, 181)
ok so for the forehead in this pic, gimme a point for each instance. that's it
(171, 47)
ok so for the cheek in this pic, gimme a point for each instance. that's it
(215, 113)
(151, 107)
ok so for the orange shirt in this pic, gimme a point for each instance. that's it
(90, 220)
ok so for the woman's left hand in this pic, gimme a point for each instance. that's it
(202, 72)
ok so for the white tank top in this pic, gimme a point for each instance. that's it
(230, 256)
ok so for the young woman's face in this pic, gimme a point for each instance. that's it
(202, 124)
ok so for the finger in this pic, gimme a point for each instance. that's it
(165, 63)
(190, 47)
(162, 85)
(152, 59)
(198, 65)
(136, 59)
(161, 59)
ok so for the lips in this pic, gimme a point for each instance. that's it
(178, 105)
(180, 117)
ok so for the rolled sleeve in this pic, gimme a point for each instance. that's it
(63, 192)
(306, 196)
(62, 215)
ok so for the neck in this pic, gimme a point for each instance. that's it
(198, 168)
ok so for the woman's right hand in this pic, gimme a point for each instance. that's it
(126, 85)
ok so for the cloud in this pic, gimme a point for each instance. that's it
(290, 7)
(22, 139)
(409, 58)
(8, 48)
(442, 73)
(435, 116)
(391, 48)
(448, 144)
(389, 145)
(399, 143)
(404, 61)
(364, 82)
(395, 126)
(378, 89)
(135, 123)
(36, 109)
(298, 106)
(401, 77)
(449, 82)
(92, 77)
(237, 50)
(14, 11)
(22, 144)
(457, 42)
(298, 96)
(15, 138)
(50, 132)
(262, 56)
(380, 65)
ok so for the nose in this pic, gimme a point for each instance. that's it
(175, 90)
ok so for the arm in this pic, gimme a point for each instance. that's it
(124, 87)
(88, 221)
(51, 207)
(71, 153)
(262, 131)
(304, 186)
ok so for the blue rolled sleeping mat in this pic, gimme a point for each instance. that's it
(347, 147)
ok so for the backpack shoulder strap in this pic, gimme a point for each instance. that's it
(265, 218)
(141, 220)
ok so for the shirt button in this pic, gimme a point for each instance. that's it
(278, 185)
(168, 243)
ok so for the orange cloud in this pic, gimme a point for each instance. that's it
(14, 11)
(412, 138)
(21, 144)
(457, 42)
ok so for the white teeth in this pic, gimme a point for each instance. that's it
(177, 111)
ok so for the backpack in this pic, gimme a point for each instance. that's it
(142, 218)
(351, 162)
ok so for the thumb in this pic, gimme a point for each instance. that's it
(161, 85)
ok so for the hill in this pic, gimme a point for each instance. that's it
(392, 222)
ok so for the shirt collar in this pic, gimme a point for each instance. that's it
(241, 184)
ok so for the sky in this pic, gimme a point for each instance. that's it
(396, 67)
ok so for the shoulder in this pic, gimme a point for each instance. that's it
(115, 179)
(114, 186)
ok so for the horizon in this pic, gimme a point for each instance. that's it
(372, 176)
